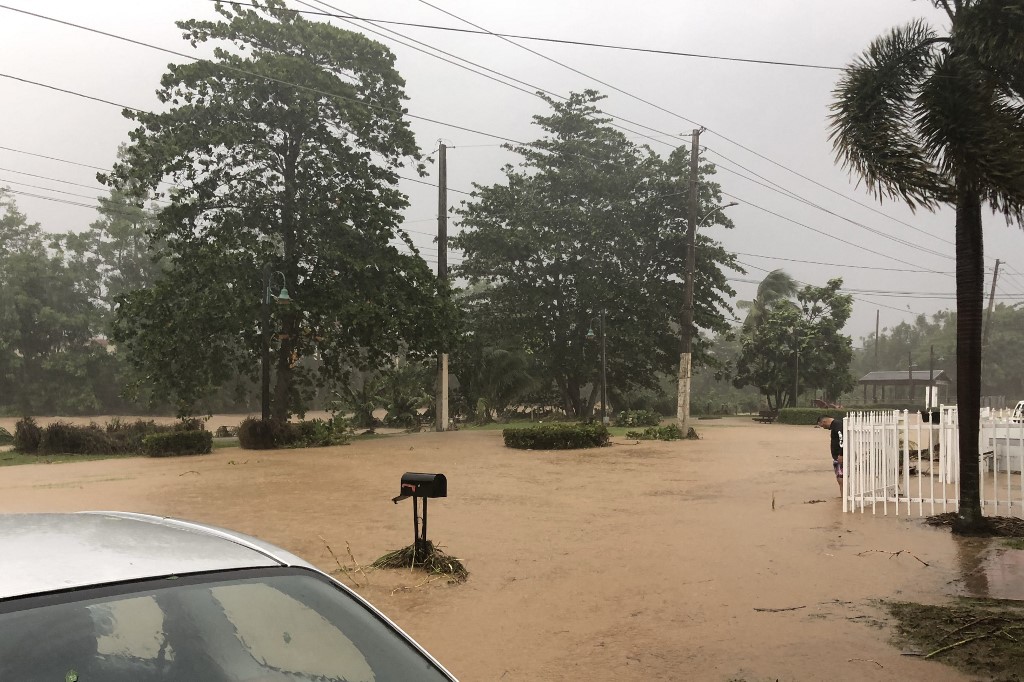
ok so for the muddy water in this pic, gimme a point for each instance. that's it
(719, 559)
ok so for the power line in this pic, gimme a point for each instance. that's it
(836, 265)
(244, 72)
(565, 41)
(68, 92)
(44, 177)
(856, 298)
(773, 186)
(350, 18)
(53, 158)
(48, 189)
(826, 234)
(675, 114)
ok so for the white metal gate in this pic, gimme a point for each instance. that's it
(896, 462)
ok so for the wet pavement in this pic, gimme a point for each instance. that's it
(989, 569)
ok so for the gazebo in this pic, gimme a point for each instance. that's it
(904, 384)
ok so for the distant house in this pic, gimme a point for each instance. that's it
(904, 385)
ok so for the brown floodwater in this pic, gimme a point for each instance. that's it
(726, 558)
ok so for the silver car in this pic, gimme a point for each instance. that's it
(119, 597)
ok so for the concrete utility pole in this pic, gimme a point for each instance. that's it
(686, 326)
(441, 396)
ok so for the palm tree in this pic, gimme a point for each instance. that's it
(932, 120)
(777, 287)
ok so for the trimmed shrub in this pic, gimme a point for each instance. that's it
(190, 424)
(181, 442)
(637, 418)
(317, 433)
(667, 432)
(62, 438)
(556, 437)
(127, 437)
(27, 435)
(255, 434)
(806, 416)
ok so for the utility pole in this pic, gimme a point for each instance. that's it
(910, 376)
(988, 320)
(441, 396)
(874, 387)
(991, 305)
(604, 373)
(686, 326)
(878, 315)
(265, 346)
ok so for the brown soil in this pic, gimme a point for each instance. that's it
(725, 558)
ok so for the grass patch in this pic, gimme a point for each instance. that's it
(429, 559)
(1014, 543)
(977, 636)
(11, 458)
(219, 443)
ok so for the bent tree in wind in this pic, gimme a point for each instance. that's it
(935, 119)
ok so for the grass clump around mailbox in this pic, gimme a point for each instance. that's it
(556, 437)
(426, 557)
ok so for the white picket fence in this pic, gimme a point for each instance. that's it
(895, 463)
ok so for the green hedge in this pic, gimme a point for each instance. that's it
(178, 443)
(667, 432)
(556, 437)
(254, 434)
(27, 435)
(806, 416)
(116, 438)
(5, 436)
(637, 418)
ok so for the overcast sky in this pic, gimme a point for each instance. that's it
(764, 120)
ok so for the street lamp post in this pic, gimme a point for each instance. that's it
(282, 298)
(604, 368)
(686, 324)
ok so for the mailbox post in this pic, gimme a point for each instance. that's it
(416, 486)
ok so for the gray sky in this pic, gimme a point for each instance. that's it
(776, 111)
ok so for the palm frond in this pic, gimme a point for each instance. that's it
(971, 128)
(873, 113)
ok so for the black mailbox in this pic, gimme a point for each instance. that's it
(422, 485)
(416, 486)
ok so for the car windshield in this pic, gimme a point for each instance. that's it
(273, 625)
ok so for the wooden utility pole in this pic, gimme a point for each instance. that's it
(686, 326)
(991, 306)
(874, 387)
(441, 396)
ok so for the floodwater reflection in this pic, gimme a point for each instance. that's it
(988, 570)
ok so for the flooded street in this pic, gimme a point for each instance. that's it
(727, 558)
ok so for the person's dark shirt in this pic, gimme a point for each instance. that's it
(836, 432)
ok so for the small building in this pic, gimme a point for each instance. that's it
(904, 385)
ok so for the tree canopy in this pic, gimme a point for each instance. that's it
(590, 222)
(281, 152)
(799, 347)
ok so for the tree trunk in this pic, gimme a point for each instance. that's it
(970, 298)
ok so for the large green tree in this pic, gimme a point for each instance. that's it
(590, 222)
(938, 119)
(283, 151)
(799, 347)
(50, 361)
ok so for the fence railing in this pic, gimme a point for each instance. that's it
(897, 462)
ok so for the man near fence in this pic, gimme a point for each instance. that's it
(835, 429)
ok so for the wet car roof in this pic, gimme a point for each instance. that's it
(51, 552)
